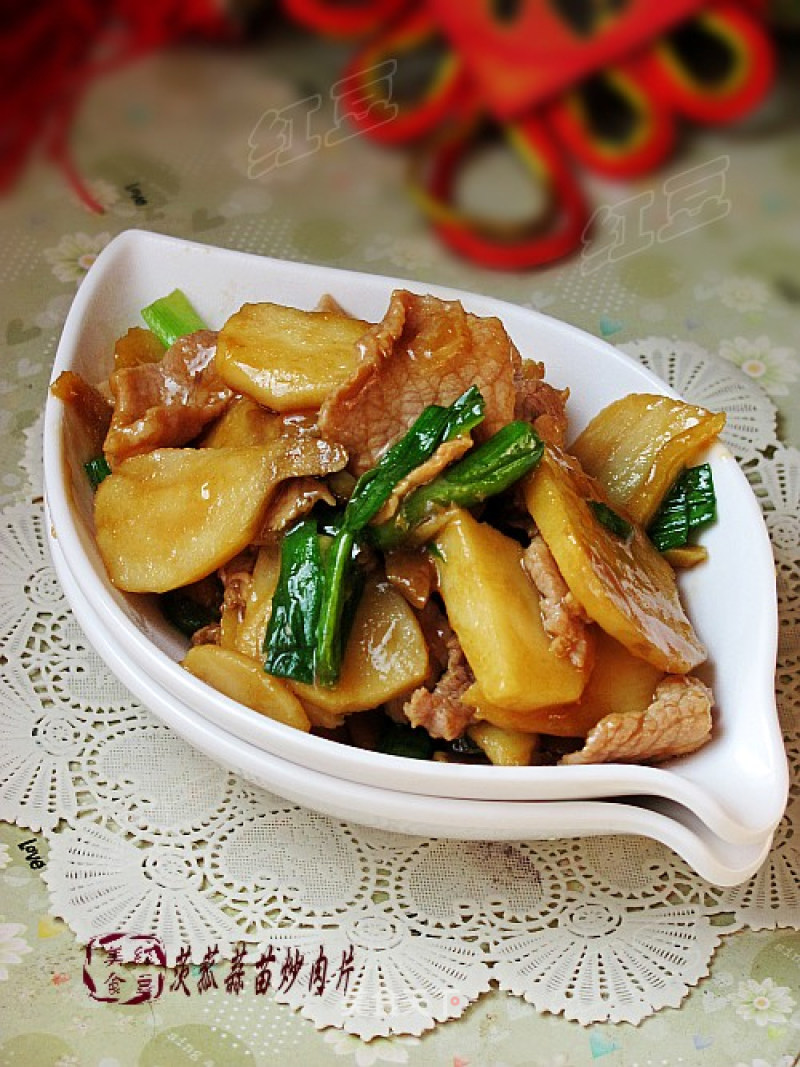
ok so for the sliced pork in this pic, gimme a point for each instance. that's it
(166, 404)
(678, 721)
(425, 351)
(563, 618)
(440, 710)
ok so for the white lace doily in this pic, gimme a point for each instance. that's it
(144, 833)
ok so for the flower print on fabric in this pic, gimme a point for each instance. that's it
(773, 367)
(71, 258)
(741, 293)
(763, 1003)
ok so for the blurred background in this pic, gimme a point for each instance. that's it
(573, 155)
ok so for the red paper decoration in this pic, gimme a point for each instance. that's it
(603, 84)
(597, 84)
(51, 50)
(542, 47)
(445, 94)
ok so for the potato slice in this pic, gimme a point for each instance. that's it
(685, 556)
(321, 719)
(619, 682)
(87, 416)
(136, 347)
(244, 680)
(637, 447)
(243, 423)
(494, 609)
(386, 656)
(172, 516)
(504, 747)
(287, 359)
(246, 422)
(623, 584)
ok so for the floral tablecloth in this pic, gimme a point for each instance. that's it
(175, 144)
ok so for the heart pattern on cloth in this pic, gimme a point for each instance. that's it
(609, 326)
(17, 333)
(600, 1045)
(203, 220)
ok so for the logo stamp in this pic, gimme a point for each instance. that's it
(122, 968)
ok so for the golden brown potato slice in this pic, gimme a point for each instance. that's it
(172, 516)
(495, 611)
(637, 447)
(243, 423)
(321, 719)
(504, 747)
(285, 358)
(386, 656)
(244, 680)
(137, 346)
(686, 556)
(623, 583)
(246, 422)
(87, 415)
(619, 682)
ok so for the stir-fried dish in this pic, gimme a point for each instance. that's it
(383, 533)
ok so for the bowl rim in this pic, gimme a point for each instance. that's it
(540, 784)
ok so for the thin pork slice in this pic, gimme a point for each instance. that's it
(166, 404)
(678, 721)
(425, 351)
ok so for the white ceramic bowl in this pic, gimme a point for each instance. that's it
(736, 784)
(719, 861)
